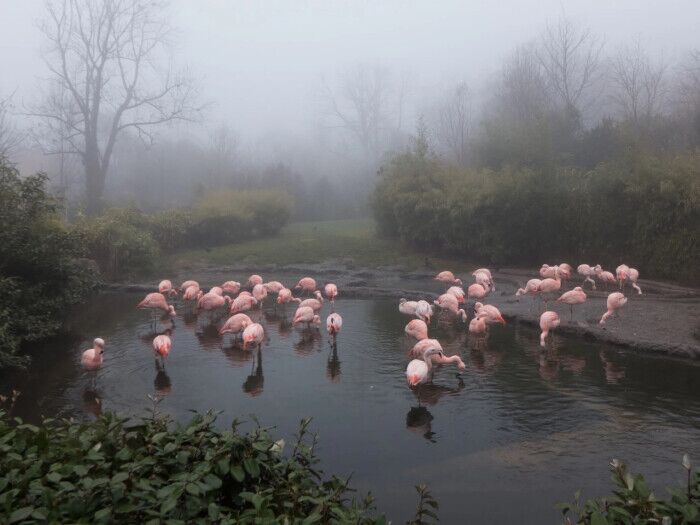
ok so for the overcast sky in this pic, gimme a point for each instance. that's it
(260, 62)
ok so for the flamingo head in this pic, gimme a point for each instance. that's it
(171, 311)
(99, 342)
(478, 306)
(318, 296)
(227, 300)
(402, 300)
(279, 299)
(316, 320)
(464, 316)
(458, 282)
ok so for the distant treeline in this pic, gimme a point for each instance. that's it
(640, 209)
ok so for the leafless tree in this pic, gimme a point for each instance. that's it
(522, 96)
(224, 143)
(689, 81)
(570, 57)
(110, 72)
(361, 105)
(10, 137)
(454, 119)
(638, 83)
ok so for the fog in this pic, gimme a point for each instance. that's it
(266, 71)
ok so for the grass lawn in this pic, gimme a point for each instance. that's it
(315, 242)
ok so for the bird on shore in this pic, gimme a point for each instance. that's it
(417, 328)
(550, 285)
(448, 277)
(92, 358)
(306, 285)
(484, 280)
(477, 291)
(419, 371)
(492, 283)
(407, 307)
(253, 334)
(548, 321)
(334, 323)
(532, 287)
(633, 276)
(572, 297)
(621, 274)
(156, 301)
(616, 300)
(547, 271)
(604, 276)
(588, 272)
(331, 291)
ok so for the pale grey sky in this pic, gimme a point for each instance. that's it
(261, 62)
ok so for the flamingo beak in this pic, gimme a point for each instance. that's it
(245, 345)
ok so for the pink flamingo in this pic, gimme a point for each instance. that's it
(548, 321)
(192, 293)
(417, 328)
(253, 280)
(572, 297)
(253, 334)
(531, 288)
(285, 296)
(547, 271)
(424, 345)
(242, 303)
(259, 292)
(588, 272)
(489, 312)
(333, 324)
(477, 291)
(448, 277)
(184, 286)
(218, 290)
(231, 287)
(605, 276)
(314, 304)
(306, 314)
(616, 300)
(156, 301)
(273, 286)
(449, 302)
(477, 326)
(331, 291)
(492, 283)
(166, 287)
(633, 276)
(306, 284)
(484, 280)
(419, 371)
(458, 292)
(550, 285)
(621, 273)
(162, 345)
(424, 311)
(92, 358)
(235, 324)
(407, 307)
(565, 270)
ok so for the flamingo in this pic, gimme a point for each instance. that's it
(156, 301)
(547, 271)
(285, 296)
(92, 357)
(448, 277)
(333, 324)
(488, 273)
(532, 287)
(417, 328)
(458, 292)
(242, 303)
(273, 287)
(621, 273)
(231, 287)
(331, 291)
(616, 300)
(565, 270)
(306, 314)
(604, 276)
(306, 284)
(314, 304)
(253, 280)
(162, 345)
(588, 272)
(548, 321)
(192, 293)
(253, 335)
(407, 307)
(484, 280)
(477, 291)
(449, 302)
(211, 301)
(572, 297)
(424, 311)
(218, 290)
(184, 286)
(259, 292)
(235, 324)
(633, 276)
(418, 371)
(166, 287)
(477, 326)
(489, 312)
(424, 345)
(550, 285)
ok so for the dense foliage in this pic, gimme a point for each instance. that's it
(153, 471)
(125, 241)
(41, 272)
(641, 210)
(633, 502)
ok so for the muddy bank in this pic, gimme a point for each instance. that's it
(665, 319)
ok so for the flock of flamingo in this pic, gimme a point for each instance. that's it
(427, 352)
(232, 297)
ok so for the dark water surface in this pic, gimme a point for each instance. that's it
(519, 431)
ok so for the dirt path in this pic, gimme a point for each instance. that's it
(664, 319)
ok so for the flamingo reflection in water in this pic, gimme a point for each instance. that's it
(162, 383)
(419, 419)
(309, 343)
(92, 403)
(253, 384)
(333, 364)
(614, 373)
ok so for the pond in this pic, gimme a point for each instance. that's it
(517, 432)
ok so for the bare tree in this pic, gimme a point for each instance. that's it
(10, 137)
(570, 57)
(638, 83)
(361, 106)
(106, 59)
(522, 96)
(454, 119)
(224, 143)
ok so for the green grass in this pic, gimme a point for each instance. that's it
(346, 241)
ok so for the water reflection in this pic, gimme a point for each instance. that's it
(614, 373)
(162, 383)
(419, 420)
(309, 342)
(333, 364)
(253, 384)
(92, 403)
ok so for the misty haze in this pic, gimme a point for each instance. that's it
(349, 262)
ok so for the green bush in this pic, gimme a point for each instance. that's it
(633, 502)
(644, 211)
(41, 270)
(153, 471)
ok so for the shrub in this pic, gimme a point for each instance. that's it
(153, 471)
(41, 273)
(633, 502)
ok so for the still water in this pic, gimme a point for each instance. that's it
(517, 432)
